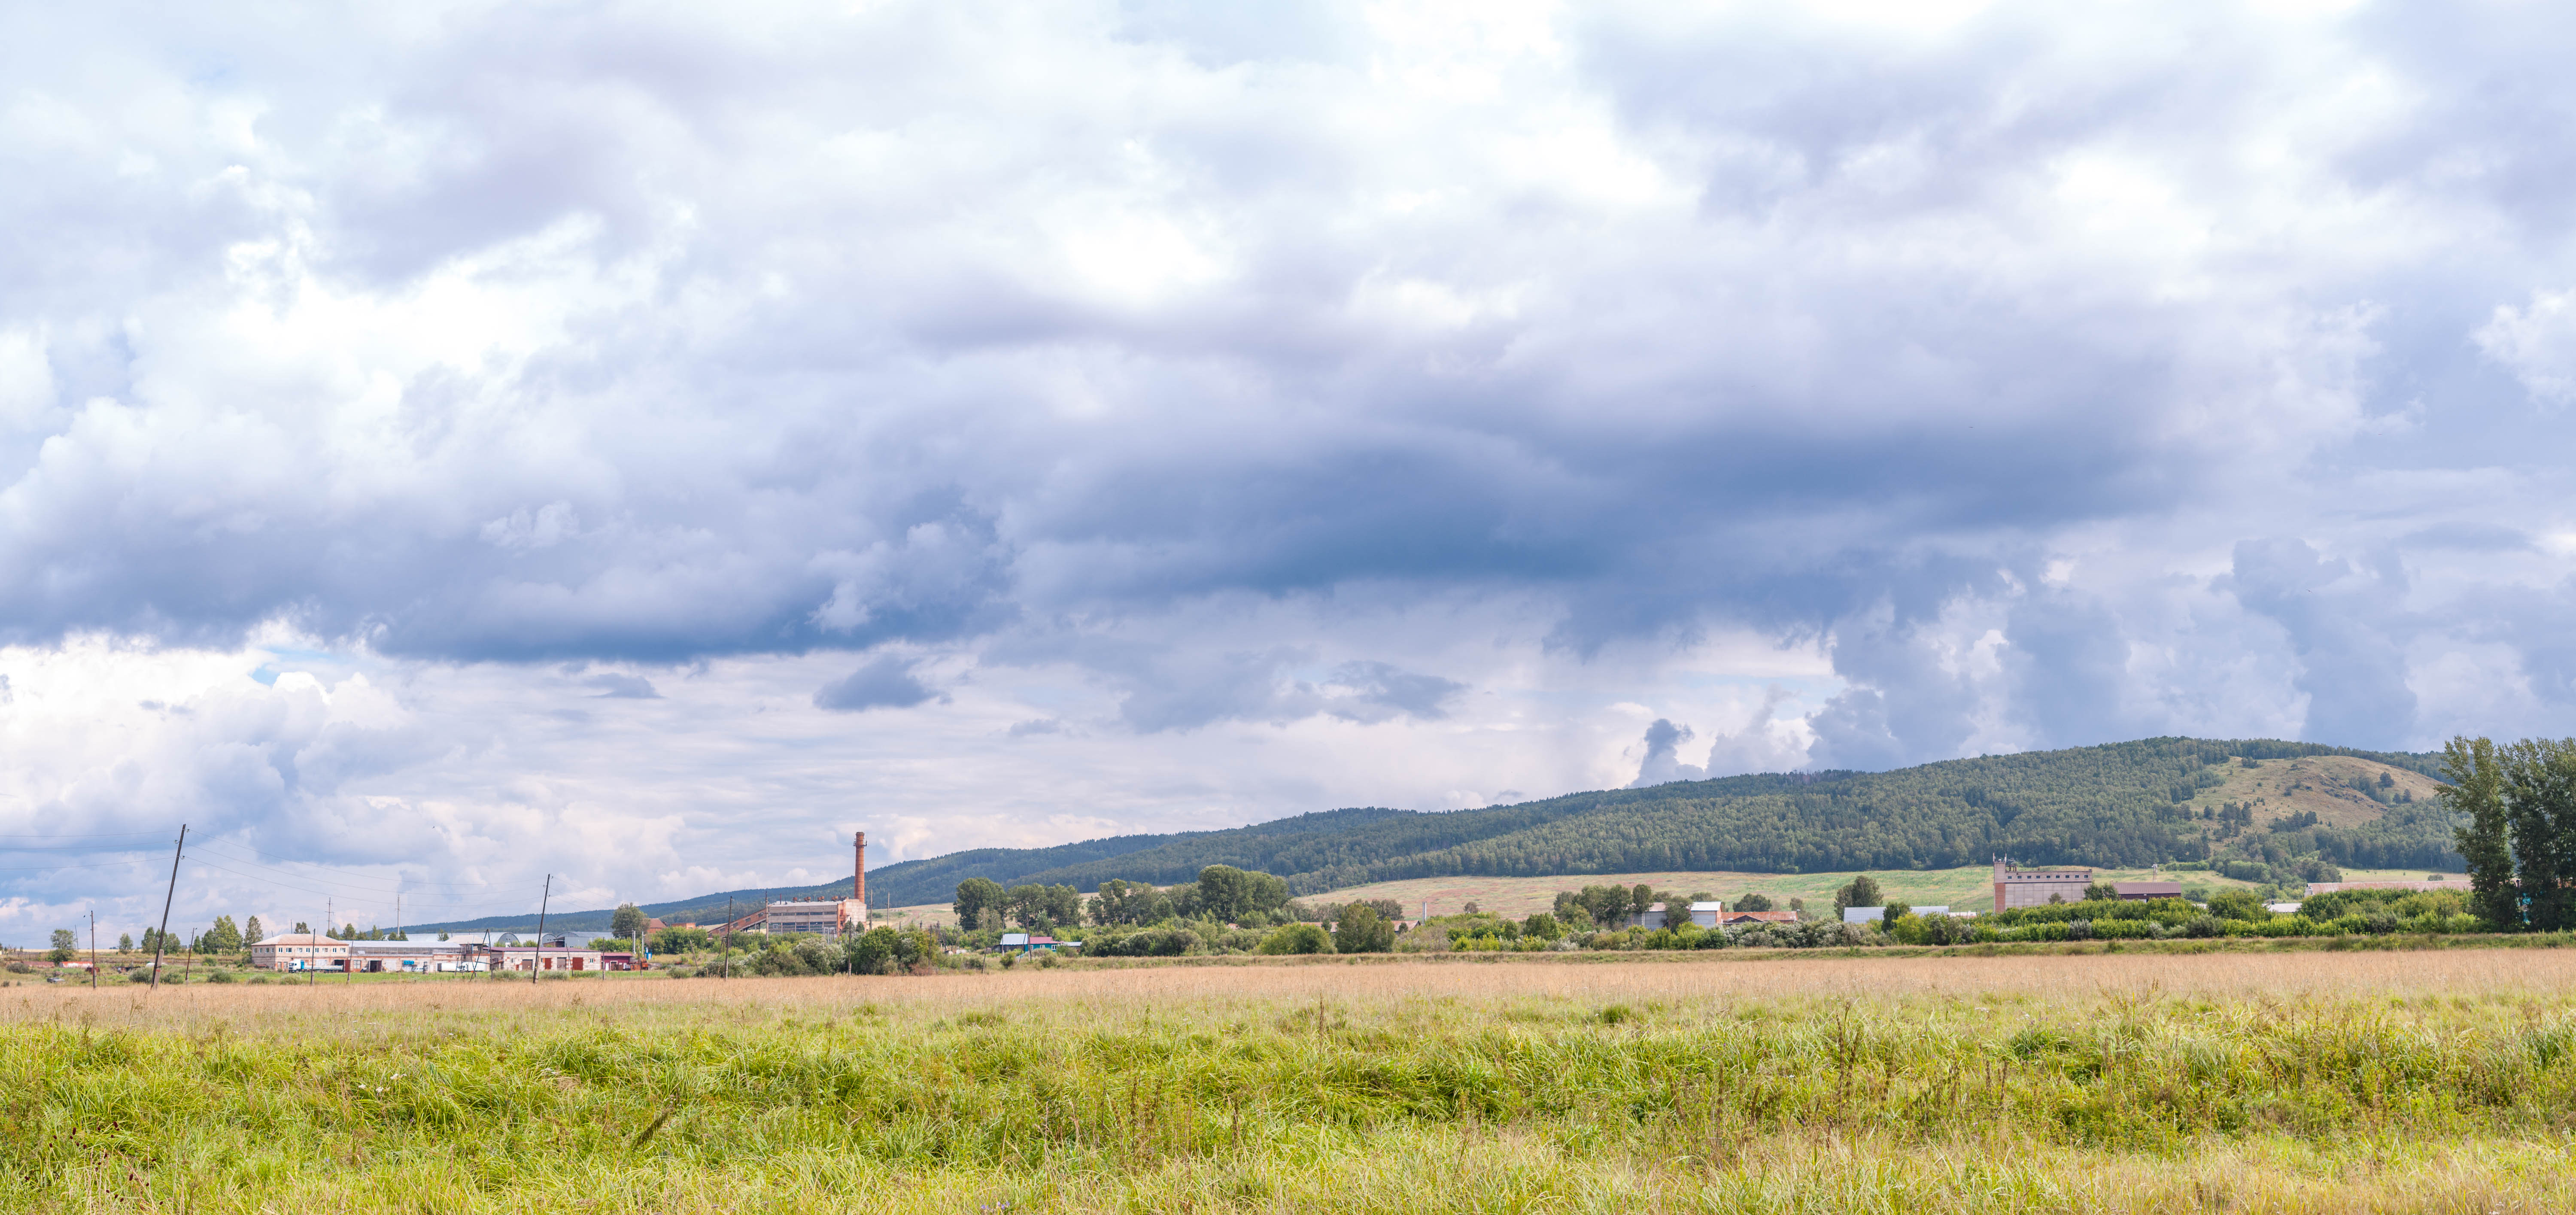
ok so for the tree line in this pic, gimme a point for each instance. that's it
(2519, 837)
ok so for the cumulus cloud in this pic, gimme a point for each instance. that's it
(1316, 372)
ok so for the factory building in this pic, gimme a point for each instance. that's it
(822, 917)
(2019, 887)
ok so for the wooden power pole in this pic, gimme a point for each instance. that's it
(539, 963)
(161, 939)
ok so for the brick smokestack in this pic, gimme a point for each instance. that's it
(859, 875)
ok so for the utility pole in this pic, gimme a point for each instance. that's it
(93, 949)
(162, 938)
(727, 972)
(542, 899)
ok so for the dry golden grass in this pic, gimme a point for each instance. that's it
(1079, 992)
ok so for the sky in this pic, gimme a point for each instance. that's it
(481, 453)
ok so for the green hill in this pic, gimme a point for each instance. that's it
(2124, 804)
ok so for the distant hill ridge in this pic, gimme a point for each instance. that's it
(2122, 804)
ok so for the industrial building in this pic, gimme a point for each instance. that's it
(2019, 887)
(822, 917)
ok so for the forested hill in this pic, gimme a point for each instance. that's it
(2125, 804)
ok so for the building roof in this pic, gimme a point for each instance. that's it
(2162, 890)
(299, 938)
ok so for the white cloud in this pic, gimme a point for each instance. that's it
(1205, 416)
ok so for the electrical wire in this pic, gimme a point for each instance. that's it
(412, 885)
(55, 868)
(385, 899)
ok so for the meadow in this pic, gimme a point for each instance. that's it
(2383, 1080)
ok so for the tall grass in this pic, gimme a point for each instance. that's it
(2107, 1083)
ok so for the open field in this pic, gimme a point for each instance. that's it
(2310, 1082)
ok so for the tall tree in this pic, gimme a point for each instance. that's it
(222, 938)
(253, 934)
(628, 922)
(2540, 816)
(2476, 791)
(1861, 891)
(1225, 892)
(979, 899)
(1361, 930)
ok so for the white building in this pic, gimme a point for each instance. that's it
(299, 951)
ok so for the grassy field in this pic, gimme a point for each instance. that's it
(2099, 1081)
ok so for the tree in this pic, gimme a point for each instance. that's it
(1026, 905)
(1362, 930)
(874, 948)
(628, 922)
(1676, 908)
(125, 942)
(301, 926)
(2476, 792)
(1751, 901)
(682, 939)
(2101, 892)
(253, 934)
(66, 943)
(1543, 926)
(1060, 905)
(1125, 902)
(1896, 910)
(2540, 799)
(1642, 898)
(1861, 891)
(222, 938)
(977, 899)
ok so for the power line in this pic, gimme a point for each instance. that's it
(57, 868)
(75, 835)
(307, 889)
(408, 883)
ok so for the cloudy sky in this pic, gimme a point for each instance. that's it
(443, 445)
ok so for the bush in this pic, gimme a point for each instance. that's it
(1296, 939)
(219, 976)
(1141, 943)
(2202, 926)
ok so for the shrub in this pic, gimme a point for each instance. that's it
(1297, 939)
(2202, 926)
(219, 976)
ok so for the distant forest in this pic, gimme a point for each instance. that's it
(2112, 806)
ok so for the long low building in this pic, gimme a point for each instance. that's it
(298, 951)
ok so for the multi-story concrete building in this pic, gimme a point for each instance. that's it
(2019, 887)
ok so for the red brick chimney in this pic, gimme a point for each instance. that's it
(859, 875)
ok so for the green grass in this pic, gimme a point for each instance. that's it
(2309, 1082)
